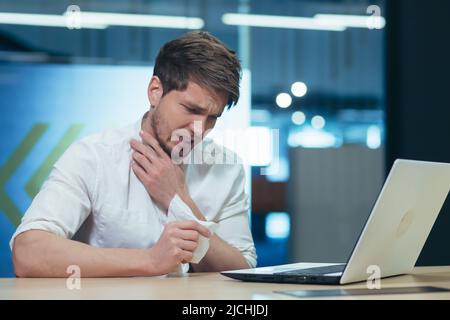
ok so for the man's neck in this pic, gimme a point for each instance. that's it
(146, 123)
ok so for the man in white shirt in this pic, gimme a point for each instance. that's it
(118, 204)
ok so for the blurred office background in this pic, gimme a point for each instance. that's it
(333, 91)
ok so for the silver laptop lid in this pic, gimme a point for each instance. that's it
(400, 221)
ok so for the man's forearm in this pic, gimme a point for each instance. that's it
(220, 257)
(43, 254)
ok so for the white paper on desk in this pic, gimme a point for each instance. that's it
(180, 211)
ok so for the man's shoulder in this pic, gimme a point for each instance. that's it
(96, 146)
(110, 137)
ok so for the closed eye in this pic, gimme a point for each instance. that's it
(200, 111)
(191, 110)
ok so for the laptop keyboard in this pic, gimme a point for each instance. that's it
(317, 271)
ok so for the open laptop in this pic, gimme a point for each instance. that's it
(392, 238)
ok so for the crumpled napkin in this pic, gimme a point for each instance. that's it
(180, 211)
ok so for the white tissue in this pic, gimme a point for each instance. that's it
(180, 211)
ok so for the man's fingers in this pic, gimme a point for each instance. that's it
(188, 245)
(153, 143)
(202, 230)
(144, 149)
(191, 235)
(186, 256)
(142, 161)
(193, 225)
(139, 172)
(186, 234)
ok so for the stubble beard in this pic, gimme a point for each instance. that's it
(157, 123)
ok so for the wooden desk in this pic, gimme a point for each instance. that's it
(203, 286)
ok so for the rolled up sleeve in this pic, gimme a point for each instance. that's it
(65, 199)
(233, 222)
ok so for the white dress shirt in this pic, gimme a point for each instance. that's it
(92, 195)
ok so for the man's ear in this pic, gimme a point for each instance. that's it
(155, 91)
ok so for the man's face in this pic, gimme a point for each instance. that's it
(184, 117)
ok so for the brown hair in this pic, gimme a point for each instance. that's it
(202, 58)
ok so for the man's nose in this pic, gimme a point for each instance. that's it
(198, 125)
